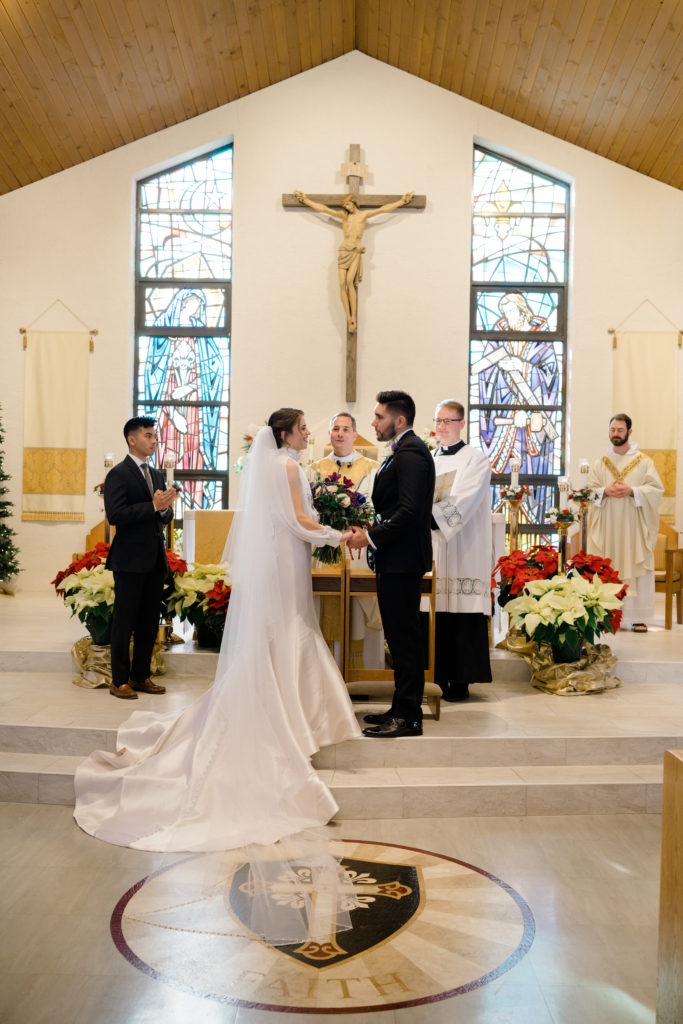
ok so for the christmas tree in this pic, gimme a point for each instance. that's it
(9, 565)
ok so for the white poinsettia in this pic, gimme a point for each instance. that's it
(193, 587)
(549, 609)
(88, 588)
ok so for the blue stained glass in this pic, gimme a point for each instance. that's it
(502, 188)
(534, 508)
(532, 250)
(516, 311)
(185, 245)
(202, 184)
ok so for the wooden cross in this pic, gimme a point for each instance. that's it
(350, 252)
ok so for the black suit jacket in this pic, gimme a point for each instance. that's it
(139, 527)
(403, 495)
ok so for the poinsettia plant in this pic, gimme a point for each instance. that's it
(87, 587)
(340, 506)
(564, 611)
(201, 596)
(540, 562)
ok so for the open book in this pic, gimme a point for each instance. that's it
(443, 485)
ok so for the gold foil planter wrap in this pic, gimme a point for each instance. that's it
(94, 663)
(590, 674)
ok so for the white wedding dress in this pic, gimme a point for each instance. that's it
(234, 767)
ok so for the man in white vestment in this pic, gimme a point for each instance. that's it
(462, 543)
(365, 617)
(624, 520)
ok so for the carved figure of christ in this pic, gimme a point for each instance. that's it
(353, 211)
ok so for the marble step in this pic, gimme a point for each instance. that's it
(188, 661)
(404, 792)
(429, 751)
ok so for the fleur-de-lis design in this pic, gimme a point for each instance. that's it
(502, 209)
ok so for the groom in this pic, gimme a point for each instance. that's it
(137, 503)
(400, 546)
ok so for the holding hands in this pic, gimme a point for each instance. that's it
(355, 539)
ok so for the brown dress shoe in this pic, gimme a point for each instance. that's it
(124, 691)
(147, 687)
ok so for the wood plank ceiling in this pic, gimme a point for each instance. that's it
(81, 77)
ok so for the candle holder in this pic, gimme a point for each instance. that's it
(513, 537)
(562, 527)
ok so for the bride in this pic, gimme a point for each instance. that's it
(234, 767)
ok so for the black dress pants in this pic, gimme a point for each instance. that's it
(137, 604)
(398, 595)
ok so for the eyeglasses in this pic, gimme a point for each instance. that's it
(439, 423)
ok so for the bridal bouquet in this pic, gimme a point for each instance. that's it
(338, 505)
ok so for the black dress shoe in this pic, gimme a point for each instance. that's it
(378, 719)
(456, 694)
(395, 727)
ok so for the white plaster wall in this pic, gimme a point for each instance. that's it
(71, 237)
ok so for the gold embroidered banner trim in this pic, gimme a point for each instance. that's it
(665, 464)
(54, 470)
(53, 517)
(620, 474)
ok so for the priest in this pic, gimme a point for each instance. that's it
(462, 544)
(624, 519)
(352, 464)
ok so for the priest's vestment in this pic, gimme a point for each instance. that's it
(625, 529)
(463, 554)
(365, 617)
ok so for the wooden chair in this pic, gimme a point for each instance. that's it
(330, 581)
(379, 682)
(669, 572)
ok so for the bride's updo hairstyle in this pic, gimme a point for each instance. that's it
(283, 420)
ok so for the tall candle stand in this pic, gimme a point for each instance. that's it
(512, 496)
(108, 464)
(513, 537)
(169, 637)
(584, 497)
(562, 528)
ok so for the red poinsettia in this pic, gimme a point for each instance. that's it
(177, 566)
(540, 563)
(88, 561)
(217, 601)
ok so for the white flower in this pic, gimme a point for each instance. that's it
(344, 501)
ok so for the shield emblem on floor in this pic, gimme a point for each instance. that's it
(383, 900)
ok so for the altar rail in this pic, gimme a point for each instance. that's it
(670, 959)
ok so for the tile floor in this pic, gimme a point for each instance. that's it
(591, 883)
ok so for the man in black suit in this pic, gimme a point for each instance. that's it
(400, 546)
(138, 504)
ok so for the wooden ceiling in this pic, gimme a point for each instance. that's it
(81, 77)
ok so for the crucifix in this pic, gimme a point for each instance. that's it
(353, 210)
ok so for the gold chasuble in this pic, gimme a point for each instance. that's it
(359, 471)
(625, 529)
(364, 610)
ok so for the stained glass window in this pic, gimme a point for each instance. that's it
(182, 319)
(518, 321)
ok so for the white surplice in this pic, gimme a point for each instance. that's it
(463, 542)
(234, 767)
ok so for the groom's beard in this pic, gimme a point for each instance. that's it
(618, 442)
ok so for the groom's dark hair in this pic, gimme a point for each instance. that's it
(399, 403)
(137, 423)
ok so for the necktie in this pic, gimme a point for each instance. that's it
(148, 477)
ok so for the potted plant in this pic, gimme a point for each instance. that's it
(566, 611)
(201, 597)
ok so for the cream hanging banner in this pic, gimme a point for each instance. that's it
(55, 425)
(645, 386)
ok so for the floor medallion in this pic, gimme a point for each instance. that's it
(423, 927)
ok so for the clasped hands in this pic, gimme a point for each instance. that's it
(355, 539)
(163, 499)
(618, 489)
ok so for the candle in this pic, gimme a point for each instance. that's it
(108, 461)
(515, 466)
(169, 465)
(563, 486)
(584, 466)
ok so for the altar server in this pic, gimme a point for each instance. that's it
(462, 543)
